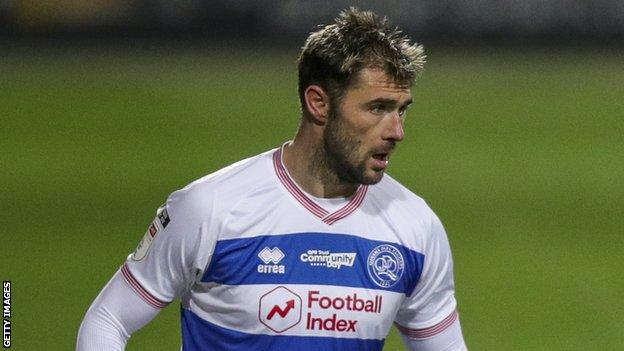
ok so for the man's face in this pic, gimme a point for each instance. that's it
(363, 130)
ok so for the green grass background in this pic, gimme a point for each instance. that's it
(521, 153)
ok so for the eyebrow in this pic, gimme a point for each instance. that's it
(387, 101)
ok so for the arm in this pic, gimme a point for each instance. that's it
(428, 319)
(115, 314)
(164, 265)
(444, 336)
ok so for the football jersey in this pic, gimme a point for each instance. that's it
(259, 264)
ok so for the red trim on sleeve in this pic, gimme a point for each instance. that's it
(140, 290)
(430, 331)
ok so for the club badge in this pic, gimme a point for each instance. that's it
(385, 265)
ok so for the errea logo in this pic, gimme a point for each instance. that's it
(271, 259)
(273, 255)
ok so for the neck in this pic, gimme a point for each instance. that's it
(306, 161)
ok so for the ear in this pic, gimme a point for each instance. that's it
(317, 104)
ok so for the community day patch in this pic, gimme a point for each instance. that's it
(326, 258)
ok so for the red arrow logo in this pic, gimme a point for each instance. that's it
(290, 304)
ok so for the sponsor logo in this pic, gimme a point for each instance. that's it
(328, 259)
(163, 216)
(385, 265)
(349, 302)
(280, 309)
(271, 259)
(143, 247)
(337, 304)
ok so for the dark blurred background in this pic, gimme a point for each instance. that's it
(445, 22)
(515, 139)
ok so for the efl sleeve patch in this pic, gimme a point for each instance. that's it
(143, 248)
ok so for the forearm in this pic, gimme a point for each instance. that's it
(436, 338)
(115, 314)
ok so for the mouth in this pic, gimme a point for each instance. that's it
(380, 160)
(382, 156)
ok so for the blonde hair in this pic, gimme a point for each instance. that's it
(333, 55)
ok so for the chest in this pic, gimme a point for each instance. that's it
(308, 283)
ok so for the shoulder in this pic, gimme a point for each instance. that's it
(400, 197)
(409, 213)
(225, 185)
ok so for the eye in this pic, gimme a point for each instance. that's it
(403, 111)
(378, 109)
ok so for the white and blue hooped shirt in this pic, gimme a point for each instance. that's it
(261, 265)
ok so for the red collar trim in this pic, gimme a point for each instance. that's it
(309, 204)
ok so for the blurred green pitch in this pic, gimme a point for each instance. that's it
(520, 153)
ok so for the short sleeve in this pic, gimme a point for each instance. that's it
(172, 254)
(432, 303)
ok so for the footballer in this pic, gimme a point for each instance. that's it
(308, 246)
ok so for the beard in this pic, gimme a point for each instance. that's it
(341, 153)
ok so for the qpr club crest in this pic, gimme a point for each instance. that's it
(385, 265)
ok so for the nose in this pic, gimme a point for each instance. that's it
(394, 130)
